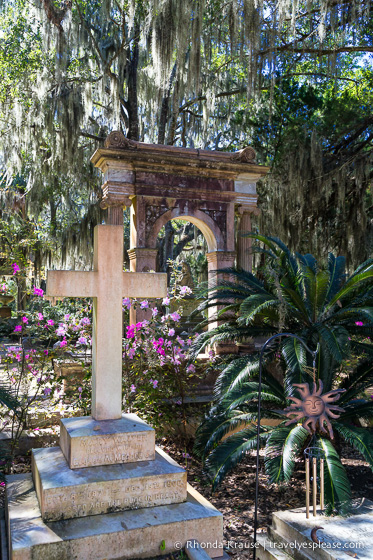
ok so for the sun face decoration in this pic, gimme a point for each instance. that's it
(314, 407)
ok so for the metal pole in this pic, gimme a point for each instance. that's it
(307, 488)
(314, 485)
(279, 335)
(322, 484)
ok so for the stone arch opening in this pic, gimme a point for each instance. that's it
(204, 223)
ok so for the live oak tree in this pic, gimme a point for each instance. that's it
(203, 73)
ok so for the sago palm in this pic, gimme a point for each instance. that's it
(323, 307)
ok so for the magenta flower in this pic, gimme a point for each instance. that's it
(63, 343)
(144, 304)
(46, 352)
(50, 322)
(154, 311)
(175, 317)
(15, 268)
(18, 328)
(80, 389)
(155, 383)
(60, 331)
(85, 321)
(191, 368)
(47, 391)
(40, 316)
(166, 301)
(359, 323)
(24, 320)
(133, 388)
(38, 292)
(171, 332)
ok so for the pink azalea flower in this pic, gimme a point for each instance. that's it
(60, 331)
(166, 301)
(46, 352)
(359, 323)
(24, 320)
(154, 311)
(184, 290)
(38, 292)
(85, 321)
(180, 341)
(155, 383)
(15, 268)
(189, 342)
(80, 389)
(63, 343)
(82, 340)
(171, 332)
(18, 328)
(133, 389)
(144, 305)
(191, 368)
(50, 322)
(126, 302)
(66, 317)
(47, 391)
(175, 317)
(40, 316)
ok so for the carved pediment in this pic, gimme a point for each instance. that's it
(117, 140)
(247, 155)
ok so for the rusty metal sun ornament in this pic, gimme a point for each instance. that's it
(315, 407)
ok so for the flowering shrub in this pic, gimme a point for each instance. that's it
(156, 369)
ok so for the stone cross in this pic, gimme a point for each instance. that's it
(107, 284)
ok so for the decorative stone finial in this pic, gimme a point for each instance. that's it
(247, 155)
(116, 139)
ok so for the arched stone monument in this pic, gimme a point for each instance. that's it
(159, 183)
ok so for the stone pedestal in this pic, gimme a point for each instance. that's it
(124, 498)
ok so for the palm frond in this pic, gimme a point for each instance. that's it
(358, 381)
(336, 340)
(215, 427)
(357, 409)
(353, 282)
(360, 438)
(336, 268)
(8, 396)
(337, 486)
(295, 356)
(230, 452)
(283, 446)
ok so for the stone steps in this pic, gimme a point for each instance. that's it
(143, 533)
(267, 551)
(104, 489)
(123, 498)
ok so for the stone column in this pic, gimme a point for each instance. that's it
(141, 260)
(217, 260)
(244, 256)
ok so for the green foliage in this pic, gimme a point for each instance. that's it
(323, 307)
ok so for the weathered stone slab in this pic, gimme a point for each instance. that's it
(86, 442)
(64, 493)
(142, 533)
(338, 537)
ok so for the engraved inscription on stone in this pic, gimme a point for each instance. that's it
(112, 449)
(112, 496)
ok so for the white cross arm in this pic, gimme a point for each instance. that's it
(144, 285)
(71, 283)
